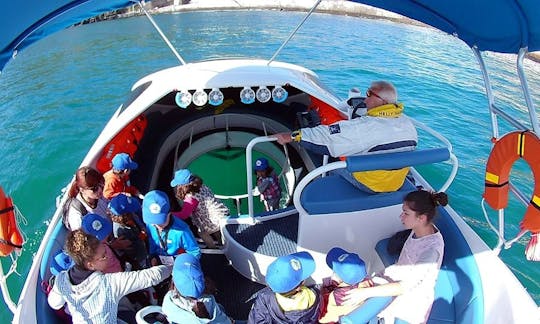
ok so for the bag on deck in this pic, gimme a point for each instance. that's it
(396, 242)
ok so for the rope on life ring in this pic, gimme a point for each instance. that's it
(508, 149)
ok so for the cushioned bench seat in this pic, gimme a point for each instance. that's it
(333, 194)
(458, 291)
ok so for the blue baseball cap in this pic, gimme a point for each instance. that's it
(348, 266)
(61, 262)
(287, 272)
(261, 164)
(155, 207)
(181, 177)
(122, 204)
(122, 161)
(96, 225)
(188, 276)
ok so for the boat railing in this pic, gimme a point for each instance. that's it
(237, 199)
(388, 161)
(512, 121)
(249, 169)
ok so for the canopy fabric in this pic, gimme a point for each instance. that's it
(492, 25)
(502, 26)
(24, 22)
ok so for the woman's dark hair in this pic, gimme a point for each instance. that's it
(85, 177)
(124, 219)
(193, 186)
(425, 202)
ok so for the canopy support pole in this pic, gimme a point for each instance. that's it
(526, 92)
(294, 32)
(161, 34)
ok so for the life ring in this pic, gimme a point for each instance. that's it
(509, 148)
(10, 236)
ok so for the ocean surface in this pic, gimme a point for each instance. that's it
(57, 95)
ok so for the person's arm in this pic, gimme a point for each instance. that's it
(74, 218)
(189, 244)
(265, 182)
(112, 186)
(123, 283)
(190, 203)
(406, 277)
(283, 138)
(358, 295)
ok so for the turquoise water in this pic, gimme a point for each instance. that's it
(58, 94)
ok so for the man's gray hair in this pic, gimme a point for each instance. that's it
(385, 90)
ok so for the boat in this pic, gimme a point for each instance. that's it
(174, 116)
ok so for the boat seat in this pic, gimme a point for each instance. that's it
(458, 290)
(333, 194)
(47, 314)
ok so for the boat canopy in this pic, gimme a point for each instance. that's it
(25, 22)
(503, 26)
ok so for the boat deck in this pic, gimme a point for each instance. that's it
(234, 291)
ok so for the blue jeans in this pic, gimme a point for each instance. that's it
(349, 177)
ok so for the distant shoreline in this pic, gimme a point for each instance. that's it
(336, 7)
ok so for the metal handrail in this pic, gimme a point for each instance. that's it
(249, 170)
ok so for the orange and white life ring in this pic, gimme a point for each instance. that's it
(508, 149)
(10, 236)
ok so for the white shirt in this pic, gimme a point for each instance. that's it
(416, 269)
(74, 216)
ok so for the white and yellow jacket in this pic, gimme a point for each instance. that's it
(383, 129)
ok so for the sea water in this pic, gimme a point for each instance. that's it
(57, 95)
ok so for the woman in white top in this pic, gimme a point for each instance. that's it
(412, 279)
(85, 197)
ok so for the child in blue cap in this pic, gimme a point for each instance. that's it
(168, 236)
(267, 184)
(187, 301)
(123, 209)
(287, 299)
(117, 178)
(199, 200)
(349, 273)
